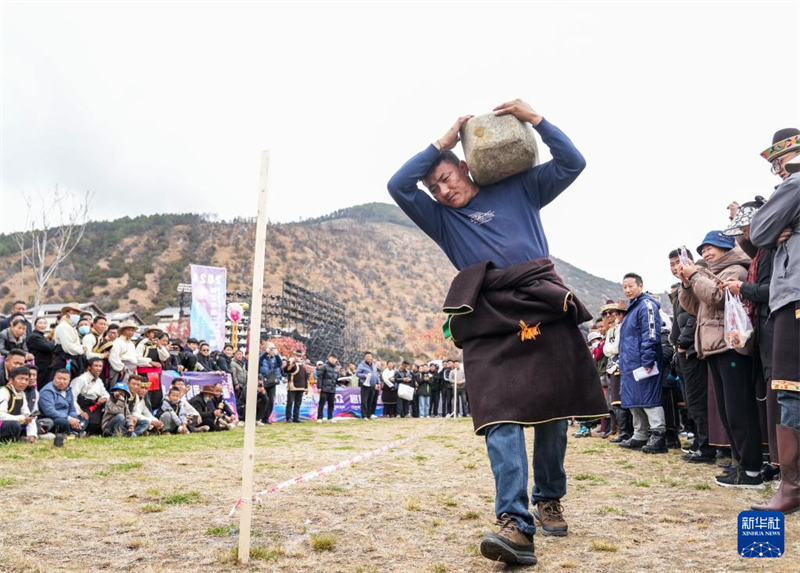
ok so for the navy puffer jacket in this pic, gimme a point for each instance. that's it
(640, 345)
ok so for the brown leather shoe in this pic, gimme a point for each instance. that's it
(509, 545)
(550, 514)
(787, 498)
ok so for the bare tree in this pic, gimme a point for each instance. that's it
(52, 231)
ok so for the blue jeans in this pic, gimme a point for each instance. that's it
(790, 408)
(424, 406)
(117, 423)
(509, 459)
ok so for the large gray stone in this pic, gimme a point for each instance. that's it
(496, 147)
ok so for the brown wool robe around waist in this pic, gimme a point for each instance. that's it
(526, 361)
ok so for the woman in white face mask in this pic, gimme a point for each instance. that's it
(69, 353)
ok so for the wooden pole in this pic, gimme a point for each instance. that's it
(248, 456)
(455, 396)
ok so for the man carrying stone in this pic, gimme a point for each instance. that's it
(514, 319)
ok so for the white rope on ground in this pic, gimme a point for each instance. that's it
(326, 470)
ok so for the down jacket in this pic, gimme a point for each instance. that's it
(640, 346)
(704, 299)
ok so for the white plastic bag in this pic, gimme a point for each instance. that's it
(405, 392)
(738, 328)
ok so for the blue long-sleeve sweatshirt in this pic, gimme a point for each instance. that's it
(501, 224)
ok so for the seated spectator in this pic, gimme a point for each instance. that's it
(57, 404)
(228, 417)
(173, 416)
(15, 359)
(140, 404)
(118, 418)
(15, 338)
(43, 425)
(42, 349)
(205, 404)
(91, 396)
(195, 420)
(15, 415)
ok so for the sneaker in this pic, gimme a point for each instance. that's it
(620, 438)
(373, 417)
(259, 423)
(741, 479)
(657, 444)
(633, 444)
(50, 436)
(319, 421)
(730, 470)
(698, 457)
(584, 432)
(201, 429)
(550, 514)
(509, 545)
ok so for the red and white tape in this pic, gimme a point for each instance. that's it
(324, 470)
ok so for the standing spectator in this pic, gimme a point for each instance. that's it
(270, 369)
(692, 370)
(15, 338)
(224, 359)
(368, 380)
(389, 392)
(69, 352)
(123, 357)
(15, 359)
(205, 361)
(458, 380)
(18, 308)
(447, 389)
(640, 356)
(297, 386)
(42, 349)
(239, 373)
(327, 387)
(778, 223)
(436, 389)
(95, 336)
(614, 314)
(755, 297)
(91, 395)
(57, 404)
(15, 414)
(731, 370)
(403, 376)
(148, 346)
(424, 391)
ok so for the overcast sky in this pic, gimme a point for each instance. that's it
(161, 108)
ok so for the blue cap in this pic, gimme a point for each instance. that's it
(716, 239)
(121, 386)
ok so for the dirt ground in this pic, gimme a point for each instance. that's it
(160, 504)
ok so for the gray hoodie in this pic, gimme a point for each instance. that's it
(781, 211)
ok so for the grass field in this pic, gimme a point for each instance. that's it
(161, 504)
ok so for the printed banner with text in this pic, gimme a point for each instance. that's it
(208, 305)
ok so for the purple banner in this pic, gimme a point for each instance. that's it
(347, 404)
(208, 305)
(195, 382)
